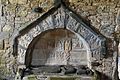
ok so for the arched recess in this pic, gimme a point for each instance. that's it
(59, 17)
(52, 43)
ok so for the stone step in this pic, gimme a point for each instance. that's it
(70, 78)
(78, 50)
(86, 78)
(48, 77)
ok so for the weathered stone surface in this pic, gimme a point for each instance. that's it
(59, 55)
(96, 9)
(18, 1)
(22, 1)
(1, 45)
(68, 69)
(6, 43)
(117, 28)
(4, 35)
(7, 28)
(17, 14)
(10, 9)
(13, 1)
(47, 69)
(45, 4)
(22, 13)
(57, 20)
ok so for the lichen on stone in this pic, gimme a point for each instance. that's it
(18, 1)
(96, 76)
(32, 77)
(3, 70)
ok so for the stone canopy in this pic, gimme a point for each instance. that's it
(59, 17)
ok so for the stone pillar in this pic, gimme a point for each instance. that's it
(1, 33)
(118, 21)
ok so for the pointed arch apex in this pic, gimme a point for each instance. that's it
(61, 17)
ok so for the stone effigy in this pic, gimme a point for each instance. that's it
(95, 24)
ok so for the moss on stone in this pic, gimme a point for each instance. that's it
(32, 77)
(61, 78)
(96, 76)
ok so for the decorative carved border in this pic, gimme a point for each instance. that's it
(61, 17)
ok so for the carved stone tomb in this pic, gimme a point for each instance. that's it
(58, 44)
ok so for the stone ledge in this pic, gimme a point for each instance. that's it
(46, 77)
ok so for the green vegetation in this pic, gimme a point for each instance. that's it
(61, 78)
(96, 76)
(32, 77)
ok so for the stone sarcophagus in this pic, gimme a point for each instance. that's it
(59, 43)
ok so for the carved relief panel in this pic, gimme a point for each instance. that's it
(65, 19)
(59, 47)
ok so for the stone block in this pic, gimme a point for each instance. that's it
(7, 28)
(22, 1)
(13, 1)
(69, 78)
(6, 43)
(1, 45)
(22, 13)
(34, 4)
(4, 35)
(18, 1)
(118, 18)
(62, 78)
(47, 69)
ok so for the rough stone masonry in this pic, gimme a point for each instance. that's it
(103, 16)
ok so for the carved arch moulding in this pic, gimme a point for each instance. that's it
(59, 17)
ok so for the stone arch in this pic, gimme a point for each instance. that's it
(61, 18)
(29, 52)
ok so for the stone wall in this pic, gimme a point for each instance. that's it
(104, 16)
(15, 15)
(101, 13)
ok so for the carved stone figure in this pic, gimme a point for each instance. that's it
(67, 49)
